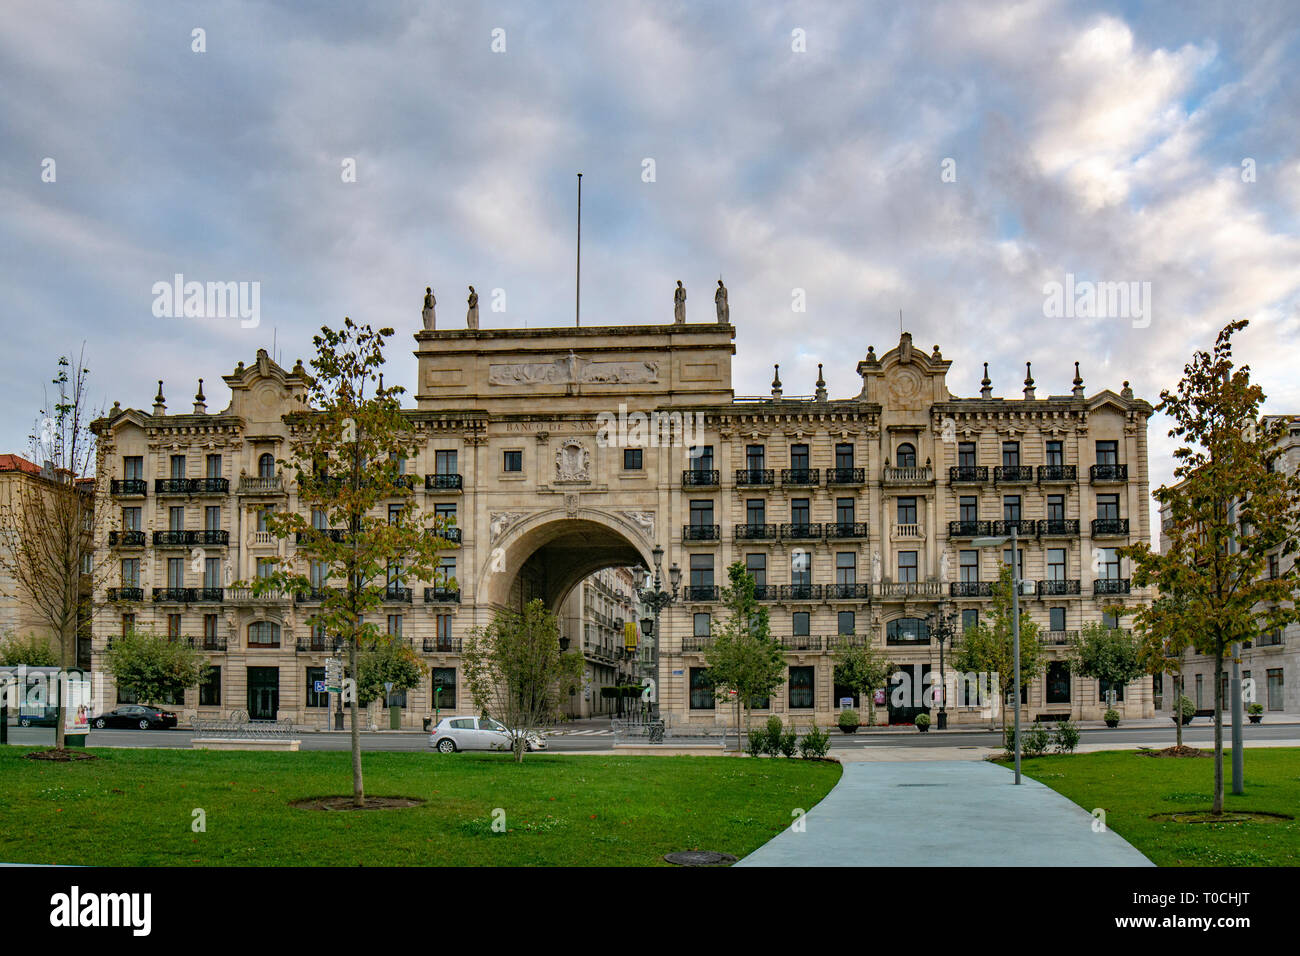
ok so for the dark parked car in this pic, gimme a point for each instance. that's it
(136, 715)
(48, 718)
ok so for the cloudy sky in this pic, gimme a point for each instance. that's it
(948, 160)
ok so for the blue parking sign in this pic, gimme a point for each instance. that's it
(320, 686)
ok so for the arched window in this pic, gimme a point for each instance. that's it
(907, 630)
(906, 456)
(266, 466)
(264, 634)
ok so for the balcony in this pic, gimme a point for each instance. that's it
(1057, 638)
(1058, 586)
(312, 596)
(171, 486)
(125, 594)
(264, 538)
(1109, 527)
(249, 485)
(701, 532)
(316, 645)
(1058, 527)
(801, 592)
(1110, 586)
(701, 478)
(843, 530)
(766, 592)
(695, 644)
(847, 592)
(443, 645)
(968, 475)
(213, 536)
(971, 589)
(337, 535)
(754, 532)
(451, 535)
(969, 529)
(248, 596)
(1052, 474)
(800, 642)
(700, 592)
(1024, 529)
(442, 595)
(846, 476)
(907, 532)
(126, 539)
(908, 589)
(174, 539)
(210, 595)
(1108, 473)
(174, 595)
(803, 477)
(1013, 475)
(396, 594)
(754, 477)
(848, 640)
(208, 642)
(923, 475)
(444, 482)
(801, 532)
(191, 486)
(128, 487)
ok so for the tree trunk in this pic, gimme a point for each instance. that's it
(354, 711)
(60, 734)
(1178, 708)
(1218, 731)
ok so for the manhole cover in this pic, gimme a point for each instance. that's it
(700, 858)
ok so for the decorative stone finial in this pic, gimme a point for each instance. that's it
(1078, 382)
(1126, 392)
(159, 403)
(776, 381)
(871, 353)
(936, 355)
(200, 402)
(116, 409)
(821, 384)
(986, 386)
(1029, 381)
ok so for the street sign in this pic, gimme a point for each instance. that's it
(846, 703)
(319, 686)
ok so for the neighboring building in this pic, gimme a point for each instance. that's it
(593, 619)
(1271, 657)
(855, 515)
(18, 614)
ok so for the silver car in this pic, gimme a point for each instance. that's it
(476, 733)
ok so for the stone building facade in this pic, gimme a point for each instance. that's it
(564, 452)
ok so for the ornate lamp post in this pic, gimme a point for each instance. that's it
(654, 597)
(943, 625)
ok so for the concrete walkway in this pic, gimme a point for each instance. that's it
(943, 813)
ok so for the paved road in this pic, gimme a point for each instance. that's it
(1120, 736)
(943, 813)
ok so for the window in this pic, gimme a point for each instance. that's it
(701, 689)
(444, 678)
(907, 630)
(212, 518)
(1055, 453)
(1011, 508)
(969, 566)
(848, 622)
(756, 566)
(394, 625)
(178, 466)
(800, 512)
(1273, 676)
(801, 688)
(702, 458)
(844, 455)
(133, 467)
(130, 572)
(1273, 566)
(173, 626)
(209, 628)
(1109, 569)
(907, 567)
(444, 462)
(264, 634)
(1011, 454)
(841, 694)
(846, 568)
(844, 511)
(907, 511)
(262, 515)
(265, 567)
(1056, 565)
(1108, 452)
(1199, 682)
(176, 572)
(213, 467)
(755, 455)
(316, 698)
(970, 617)
(316, 574)
(701, 570)
(905, 455)
(701, 513)
(1056, 618)
(966, 454)
(632, 460)
(1020, 561)
(799, 457)
(176, 519)
(1108, 507)
(210, 687)
(1104, 686)
(968, 508)
(702, 623)
(800, 623)
(1057, 685)
(131, 519)
(801, 569)
(266, 466)
(1109, 620)
(1056, 507)
(755, 512)
(444, 632)
(395, 514)
(513, 461)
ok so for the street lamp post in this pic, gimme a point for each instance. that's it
(1015, 622)
(656, 599)
(942, 625)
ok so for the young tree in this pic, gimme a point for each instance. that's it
(349, 446)
(390, 662)
(1228, 511)
(989, 647)
(863, 670)
(153, 668)
(1106, 654)
(742, 656)
(48, 526)
(516, 672)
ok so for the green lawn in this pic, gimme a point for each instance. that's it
(1131, 788)
(135, 808)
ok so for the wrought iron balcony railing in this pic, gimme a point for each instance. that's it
(173, 539)
(442, 645)
(1106, 527)
(1053, 473)
(701, 592)
(701, 532)
(700, 478)
(1059, 586)
(846, 529)
(1057, 638)
(694, 644)
(971, 589)
(766, 592)
(847, 592)
(213, 536)
(125, 594)
(191, 486)
(1058, 527)
(801, 592)
(968, 529)
(801, 642)
(444, 482)
(334, 534)
(126, 539)
(1024, 529)
(451, 534)
(442, 595)
(1110, 586)
(125, 487)
(174, 595)
(210, 595)
(801, 476)
(754, 532)
(1108, 472)
(395, 593)
(801, 532)
(846, 476)
(968, 474)
(751, 477)
(318, 645)
(1013, 474)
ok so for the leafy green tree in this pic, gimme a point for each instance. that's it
(1229, 509)
(1108, 654)
(742, 655)
(516, 672)
(989, 647)
(389, 662)
(862, 669)
(33, 650)
(153, 668)
(348, 450)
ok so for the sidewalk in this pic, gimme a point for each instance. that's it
(944, 813)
